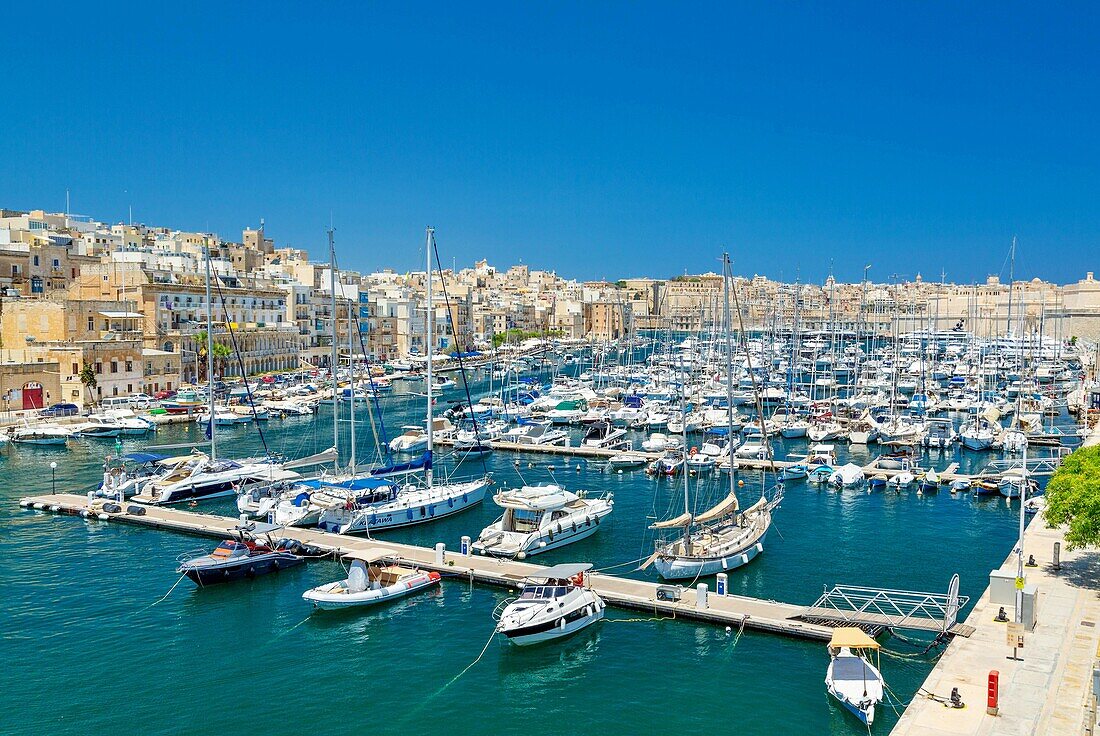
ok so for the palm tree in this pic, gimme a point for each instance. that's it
(222, 354)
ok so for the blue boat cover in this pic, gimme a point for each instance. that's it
(144, 457)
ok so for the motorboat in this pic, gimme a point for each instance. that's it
(671, 463)
(552, 604)
(1015, 482)
(849, 475)
(413, 439)
(540, 518)
(625, 460)
(97, 426)
(657, 442)
(877, 482)
(368, 585)
(43, 433)
(929, 482)
(536, 433)
(198, 477)
(900, 480)
(852, 678)
(244, 557)
(700, 462)
(940, 435)
(124, 476)
(603, 434)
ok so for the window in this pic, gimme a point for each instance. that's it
(76, 369)
(56, 263)
(114, 366)
(129, 366)
(91, 324)
(98, 368)
(36, 260)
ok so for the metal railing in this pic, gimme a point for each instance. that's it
(895, 608)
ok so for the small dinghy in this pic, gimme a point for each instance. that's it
(902, 480)
(367, 586)
(878, 482)
(851, 678)
(553, 604)
(244, 557)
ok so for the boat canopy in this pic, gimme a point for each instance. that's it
(853, 638)
(725, 507)
(144, 457)
(561, 572)
(535, 498)
(992, 415)
(354, 484)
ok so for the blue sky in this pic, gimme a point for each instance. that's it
(603, 140)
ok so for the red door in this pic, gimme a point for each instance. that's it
(32, 396)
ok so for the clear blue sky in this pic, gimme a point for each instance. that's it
(603, 140)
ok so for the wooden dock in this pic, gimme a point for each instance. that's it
(638, 595)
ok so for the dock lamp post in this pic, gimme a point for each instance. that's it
(53, 477)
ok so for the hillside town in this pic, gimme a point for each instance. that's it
(127, 302)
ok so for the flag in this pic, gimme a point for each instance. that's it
(209, 429)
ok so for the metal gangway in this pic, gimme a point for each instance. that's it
(1033, 465)
(881, 608)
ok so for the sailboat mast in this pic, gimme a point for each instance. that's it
(729, 361)
(429, 317)
(335, 349)
(210, 360)
(351, 372)
(1011, 278)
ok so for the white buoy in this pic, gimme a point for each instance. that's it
(40, 506)
(620, 471)
(728, 631)
(103, 517)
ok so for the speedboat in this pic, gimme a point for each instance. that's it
(198, 477)
(699, 462)
(39, 434)
(851, 678)
(553, 604)
(541, 518)
(370, 585)
(96, 425)
(414, 439)
(244, 557)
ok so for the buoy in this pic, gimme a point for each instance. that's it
(578, 468)
(103, 517)
(40, 506)
(620, 471)
(549, 467)
(740, 484)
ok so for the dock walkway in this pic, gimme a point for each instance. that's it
(639, 595)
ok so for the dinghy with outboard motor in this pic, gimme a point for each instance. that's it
(369, 585)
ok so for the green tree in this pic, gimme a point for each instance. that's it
(88, 380)
(1073, 498)
(222, 353)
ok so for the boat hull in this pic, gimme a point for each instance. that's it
(243, 569)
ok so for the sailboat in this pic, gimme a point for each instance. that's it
(723, 537)
(368, 502)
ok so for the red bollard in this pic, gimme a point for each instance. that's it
(992, 693)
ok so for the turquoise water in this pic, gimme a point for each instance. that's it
(86, 652)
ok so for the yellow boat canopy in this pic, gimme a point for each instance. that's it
(853, 638)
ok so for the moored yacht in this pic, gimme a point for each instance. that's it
(553, 604)
(541, 518)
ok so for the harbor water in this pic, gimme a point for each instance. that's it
(91, 648)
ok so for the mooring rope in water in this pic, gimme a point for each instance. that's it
(161, 598)
(621, 564)
(455, 679)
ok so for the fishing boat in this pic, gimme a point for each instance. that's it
(186, 401)
(929, 482)
(370, 585)
(852, 678)
(540, 518)
(244, 557)
(553, 604)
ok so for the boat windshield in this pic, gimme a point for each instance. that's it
(543, 591)
(525, 521)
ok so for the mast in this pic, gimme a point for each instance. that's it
(351, 372)
(1011, 277)
(210, 361)
(729, 362)
(429, 317)
(334, 357)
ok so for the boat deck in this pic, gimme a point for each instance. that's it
(639, 595)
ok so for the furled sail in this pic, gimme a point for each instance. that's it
(725, 507)
(681, 521)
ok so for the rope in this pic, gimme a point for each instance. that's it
(162, 597)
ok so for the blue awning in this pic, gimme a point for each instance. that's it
(144, 457)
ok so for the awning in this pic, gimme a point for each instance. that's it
(561, 572)
(122, 315)
(853, 638)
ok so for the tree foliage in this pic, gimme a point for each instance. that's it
(1073, 498)
(221, 353)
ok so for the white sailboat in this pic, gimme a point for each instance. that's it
(723, 537)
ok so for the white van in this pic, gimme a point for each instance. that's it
(117, 402)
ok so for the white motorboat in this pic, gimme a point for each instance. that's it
(700, 462)
(97, 426)
(553, 604)
(199, 477)
(904, 479)
(39, 434)
(413, 439)
(626, 460)
(657, 442)
(849, 475)
(852, 678)
(368, 586)
(541, 518)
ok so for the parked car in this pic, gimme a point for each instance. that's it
(60, 410)
(141, 401)
(161, 395)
